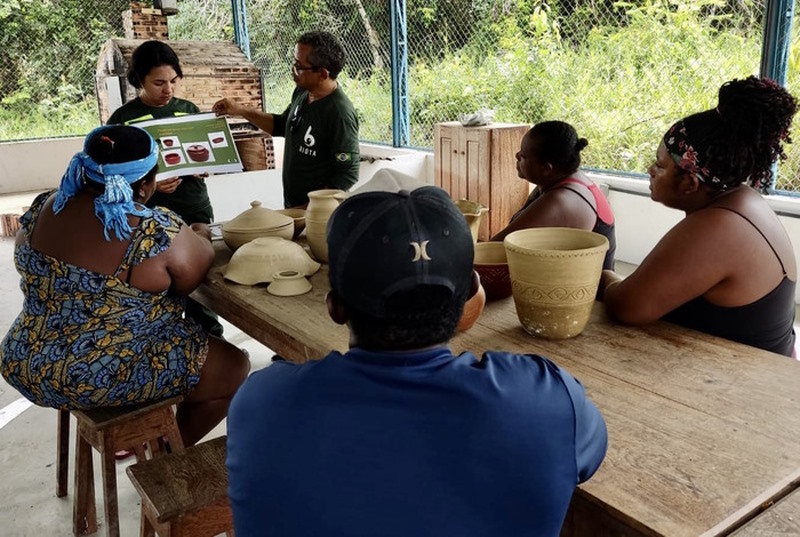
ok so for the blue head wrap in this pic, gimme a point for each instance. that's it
(116, 203)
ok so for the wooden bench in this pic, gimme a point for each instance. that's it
(109, 430)
(185, 494)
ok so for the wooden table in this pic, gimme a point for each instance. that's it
(702, 431)
(782, 518)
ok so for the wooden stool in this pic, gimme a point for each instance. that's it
(109, 430)
(185, 494)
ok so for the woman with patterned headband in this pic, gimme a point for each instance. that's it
(104, 280)
(728, 267)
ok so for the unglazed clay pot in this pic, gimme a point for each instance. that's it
(259, 260)
(491, 264)
(299, 217)
(554, 277)
(288, 283)
(255, 222)
(197, 153)
(473, 212)
(473, 308)
(321, 204)
(172, 158)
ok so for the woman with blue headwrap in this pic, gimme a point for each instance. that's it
(105, 281)
(728, 268)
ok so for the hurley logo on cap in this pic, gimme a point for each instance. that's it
(381, 243)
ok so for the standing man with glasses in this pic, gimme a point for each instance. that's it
(320, 124)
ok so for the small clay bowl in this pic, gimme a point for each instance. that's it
(197, 153)
(491, 264)
(218, 140)
(168, 142)
(288, 283)
(172, 158)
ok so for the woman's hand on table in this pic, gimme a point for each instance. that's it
(168, 186)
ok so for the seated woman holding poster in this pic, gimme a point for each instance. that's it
(105, 280)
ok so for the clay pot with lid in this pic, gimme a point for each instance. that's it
(321, 204)
(255, 222)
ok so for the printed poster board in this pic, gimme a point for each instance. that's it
(193, 144)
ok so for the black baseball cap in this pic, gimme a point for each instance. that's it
(380, 243)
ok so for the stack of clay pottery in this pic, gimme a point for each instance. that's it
(473, 212)
(255, 222)
(554, 277)
(321, 204)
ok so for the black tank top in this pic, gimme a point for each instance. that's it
(765, 323)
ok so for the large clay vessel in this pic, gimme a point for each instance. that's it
(473, 212)
(321, 204)
(554, 277)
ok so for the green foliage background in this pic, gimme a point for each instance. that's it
(620, 71)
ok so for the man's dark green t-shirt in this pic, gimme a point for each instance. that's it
(321, 148)
(190, 200)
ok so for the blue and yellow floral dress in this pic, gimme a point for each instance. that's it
(85, 339)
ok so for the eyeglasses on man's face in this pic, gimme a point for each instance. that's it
(297, 67)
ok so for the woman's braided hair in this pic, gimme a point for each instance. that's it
(743, 136)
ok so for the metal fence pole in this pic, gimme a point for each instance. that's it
(399, 47)
(775, 50)
(240, 33)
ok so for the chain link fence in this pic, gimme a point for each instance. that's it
(620, 72)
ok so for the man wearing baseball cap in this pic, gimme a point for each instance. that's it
(398, 436)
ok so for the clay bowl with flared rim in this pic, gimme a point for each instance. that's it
(260, 259)
(255, 222)
(491, 264)
(554, 277)
(168, 142)
(197, 153)
(473, 308)
(299, 217)
(172, 158)
(288, 283)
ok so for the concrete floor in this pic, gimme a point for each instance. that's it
(28, 503)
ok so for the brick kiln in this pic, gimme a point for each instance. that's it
(211, 70)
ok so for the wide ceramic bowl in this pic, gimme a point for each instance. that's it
(260, 259)
(299, 218)
(491, 264)
(255, 222)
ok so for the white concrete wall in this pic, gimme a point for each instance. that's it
(36, 166)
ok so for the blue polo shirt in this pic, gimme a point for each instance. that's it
(410, 444)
